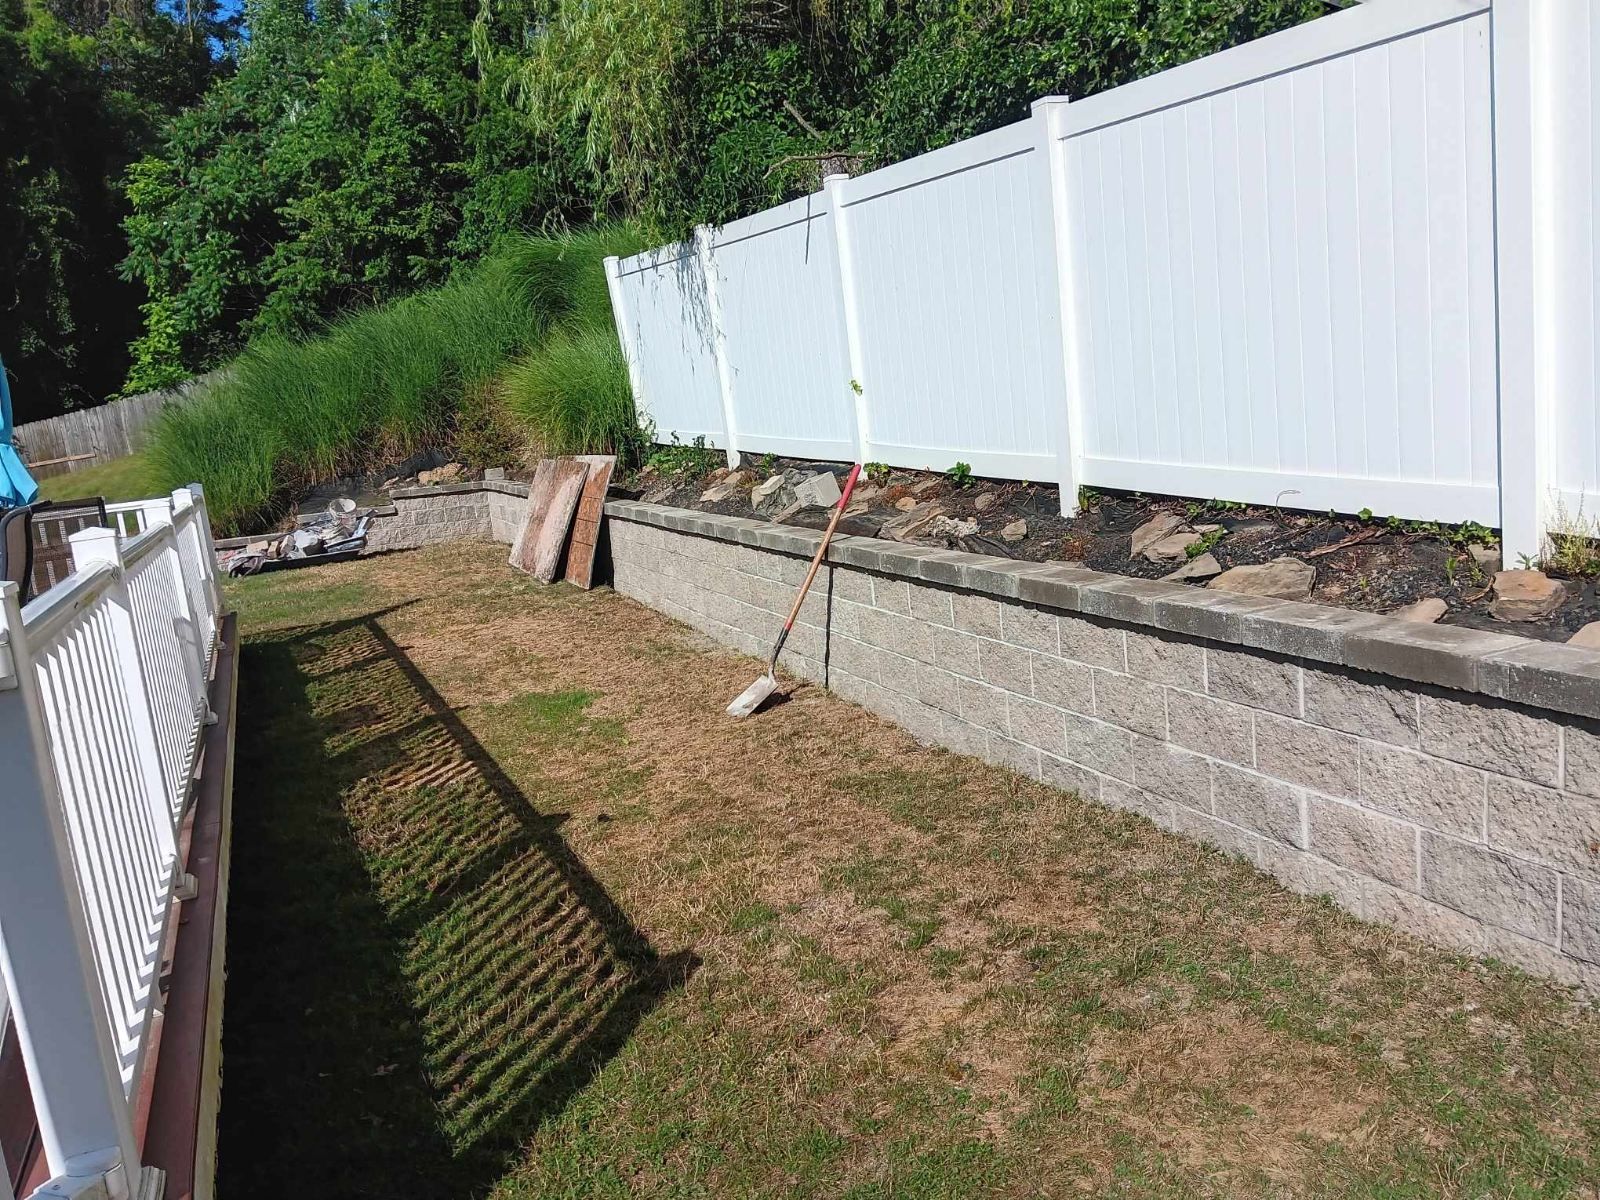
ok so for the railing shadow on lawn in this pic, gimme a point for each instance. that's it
(420, 969)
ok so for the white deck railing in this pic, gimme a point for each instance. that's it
(103, 703)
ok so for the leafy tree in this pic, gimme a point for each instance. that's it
(366, 150)
(83, 91)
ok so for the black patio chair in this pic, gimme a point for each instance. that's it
(53, 523)
(16, 549)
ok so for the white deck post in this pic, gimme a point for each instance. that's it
(1049, 117)
(46, 962)
(833, 186)
(208, 547)
(90, 547)
(719, 344)
(185, 522)
(156, 514)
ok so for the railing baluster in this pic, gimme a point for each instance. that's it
(91, 546)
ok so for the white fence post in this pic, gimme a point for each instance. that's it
(97, 545)
(619, 316)
(46, 962)
(1522, 173)
(719, 344)
(833, 185)
(1049, 116)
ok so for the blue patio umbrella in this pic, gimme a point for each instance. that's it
(16, 485)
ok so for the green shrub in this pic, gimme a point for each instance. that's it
(384, 383)
(572, 393)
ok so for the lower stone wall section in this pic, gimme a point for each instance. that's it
(423, 516)
(1465, 820)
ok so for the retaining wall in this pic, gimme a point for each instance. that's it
(1441, 780)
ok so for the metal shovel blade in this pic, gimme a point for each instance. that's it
(752, 698)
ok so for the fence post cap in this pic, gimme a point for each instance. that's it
(96, 544)
(182, 498)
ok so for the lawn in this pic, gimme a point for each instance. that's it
(517, 911)
(128, 478)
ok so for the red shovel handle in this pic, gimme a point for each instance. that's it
(822, 550)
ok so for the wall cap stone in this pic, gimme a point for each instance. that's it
(1503, 666)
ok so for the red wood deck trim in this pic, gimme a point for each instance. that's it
(186, 1065)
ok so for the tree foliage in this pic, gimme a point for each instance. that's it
(364, 151)
(84, 89)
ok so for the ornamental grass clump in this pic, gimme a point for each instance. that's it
(531, 325)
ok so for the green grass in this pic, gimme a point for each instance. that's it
(131, 477)
(517, 913)
(381, 384)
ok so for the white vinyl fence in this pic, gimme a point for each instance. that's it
(103, 700)
(1351, 265)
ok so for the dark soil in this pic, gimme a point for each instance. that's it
(1370, 565)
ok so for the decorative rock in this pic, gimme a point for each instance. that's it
(1172, 548)
(1280, 579)
(951, 527)
(1487, 557)
(820, 491)
(1587, 638)
(906, 503)
(449, 473)
(855, 509)
(1015, 531)
(1152, 531)
(923, 488)
(1202, 567)
(772, 495)
(984, 501)
(865, 493)
(1425, 612)
(1525, 596)
(912, 524)
(727, 489)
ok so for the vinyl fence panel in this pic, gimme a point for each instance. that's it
(953, 259)
(1286, 280)
(1350, 265)
(664, 319)
(782, 324)
(1574, 282)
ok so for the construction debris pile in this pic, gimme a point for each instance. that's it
(338, 532)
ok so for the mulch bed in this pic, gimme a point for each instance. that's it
(1372, 565)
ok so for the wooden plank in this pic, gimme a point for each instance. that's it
(586, 526)
(552, 499)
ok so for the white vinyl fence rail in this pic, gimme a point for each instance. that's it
(103, 701)
(1351, 265)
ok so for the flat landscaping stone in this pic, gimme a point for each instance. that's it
(1588, 638)
(1426, 611)
(1281, 579)
(1202, 567)
(1152, 531)
(1525, 596)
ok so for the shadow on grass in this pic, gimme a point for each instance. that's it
(420, 970)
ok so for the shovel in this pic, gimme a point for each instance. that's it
(756, 694)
